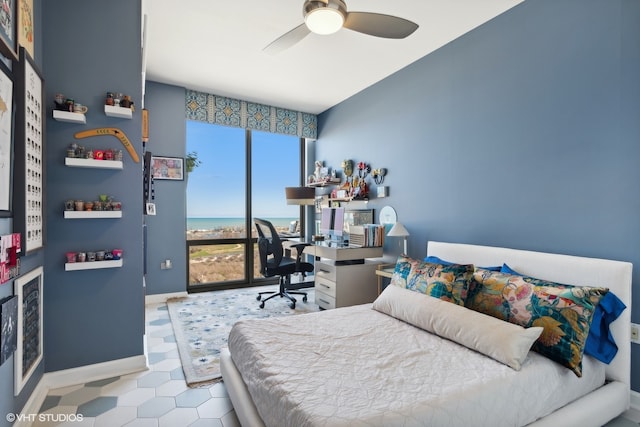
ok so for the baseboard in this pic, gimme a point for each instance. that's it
(80, 375)
(635, 400)
(160, 298)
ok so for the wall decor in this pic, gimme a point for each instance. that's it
(6, 140)
(29, 172)
(25, 25)
(28, 289)
(8, 327)
(8, 40)
(167, 168)
(9, 261)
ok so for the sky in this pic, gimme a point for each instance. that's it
(216, 188)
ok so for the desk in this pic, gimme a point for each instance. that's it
(344, 275)
(384, 270)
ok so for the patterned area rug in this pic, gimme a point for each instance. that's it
(202, 322)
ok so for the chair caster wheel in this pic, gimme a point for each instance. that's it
(259, 297)
(292, 305)
(304, 298)
(262, 304)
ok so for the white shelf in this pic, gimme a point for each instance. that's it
(120, 112)
(92, 265)
(66, 116)
(332, 181)
(92, 214)
(93, 163)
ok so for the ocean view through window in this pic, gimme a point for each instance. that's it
(242, 176)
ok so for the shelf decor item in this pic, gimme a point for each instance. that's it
(6, 140)
(28, 289)
(29, 186)
(167, 168)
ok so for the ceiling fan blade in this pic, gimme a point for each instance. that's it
(287, 40)
(379, 25)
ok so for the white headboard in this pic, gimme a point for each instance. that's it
(573, 270)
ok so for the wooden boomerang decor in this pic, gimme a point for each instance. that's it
(111, 131)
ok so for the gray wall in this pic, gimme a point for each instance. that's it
(93, 316)
(166, 230)
(523, 133)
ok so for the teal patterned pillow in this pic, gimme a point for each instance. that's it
(564, 311)
(446, 282)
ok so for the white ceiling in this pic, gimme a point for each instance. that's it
(216, 47)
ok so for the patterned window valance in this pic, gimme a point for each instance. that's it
(205, 107)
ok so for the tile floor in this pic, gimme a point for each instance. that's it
(159, 397)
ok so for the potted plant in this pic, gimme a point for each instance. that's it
(191, 161)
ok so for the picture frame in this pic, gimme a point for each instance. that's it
(25, 31)
(170, 168)
(29, 164)
(6, 140)
(8, 30)
(29, 350)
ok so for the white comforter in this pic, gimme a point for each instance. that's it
(357, 367)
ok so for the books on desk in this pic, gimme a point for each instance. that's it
(367, 235)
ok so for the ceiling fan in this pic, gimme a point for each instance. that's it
(328, 16)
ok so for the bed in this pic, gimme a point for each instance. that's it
(351, 366)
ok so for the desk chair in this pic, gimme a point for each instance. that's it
(274, 263)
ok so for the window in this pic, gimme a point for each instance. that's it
(242, 176)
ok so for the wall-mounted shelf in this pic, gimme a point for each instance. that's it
(92, 265)
(332, 181)
(66, 116)
(120, 112)
(92, 214)
(93, 163)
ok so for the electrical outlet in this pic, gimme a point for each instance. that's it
(635, 333)
(166, 265)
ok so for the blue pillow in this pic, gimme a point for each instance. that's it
(600, 343)
(435, 260)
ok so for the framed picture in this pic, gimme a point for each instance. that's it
(29, 164)
(8, 40)
(28, 289)
(6, 140)
(167, 168)
(25, 25)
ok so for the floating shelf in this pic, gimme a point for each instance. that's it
(92, 214)
(66, 116)
(93, 163)
(120, 112)
(332, 181)
(92, 265)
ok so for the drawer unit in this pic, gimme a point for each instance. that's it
(341, 285)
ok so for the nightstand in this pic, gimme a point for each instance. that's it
(384, 270)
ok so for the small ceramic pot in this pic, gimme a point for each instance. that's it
(81, 257)
(69, 205)
(100, 256)
(117, 253)
(91, 256)
(79, 205)
(88, 206)
(71, 256)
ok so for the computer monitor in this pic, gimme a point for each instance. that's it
(332, 222)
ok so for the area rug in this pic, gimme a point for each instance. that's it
(202, 322)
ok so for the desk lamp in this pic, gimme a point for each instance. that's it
(300, 195)
(398, 230)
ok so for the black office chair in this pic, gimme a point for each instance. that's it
(273, 262)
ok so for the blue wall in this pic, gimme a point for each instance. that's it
(166, 230)
(523, 133)
(93, 316)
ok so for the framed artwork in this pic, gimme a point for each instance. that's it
(28, 289)
(6, 140)
(25, 25)
(8, 327)
(29, 164)
(167, 168)
(8, 41)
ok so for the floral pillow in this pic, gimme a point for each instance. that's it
(446, 282)
(564, 311)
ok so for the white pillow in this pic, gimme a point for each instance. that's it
(505, 342)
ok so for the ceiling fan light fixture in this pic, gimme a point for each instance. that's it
(324, 17)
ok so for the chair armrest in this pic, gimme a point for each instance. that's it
(300, 248)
